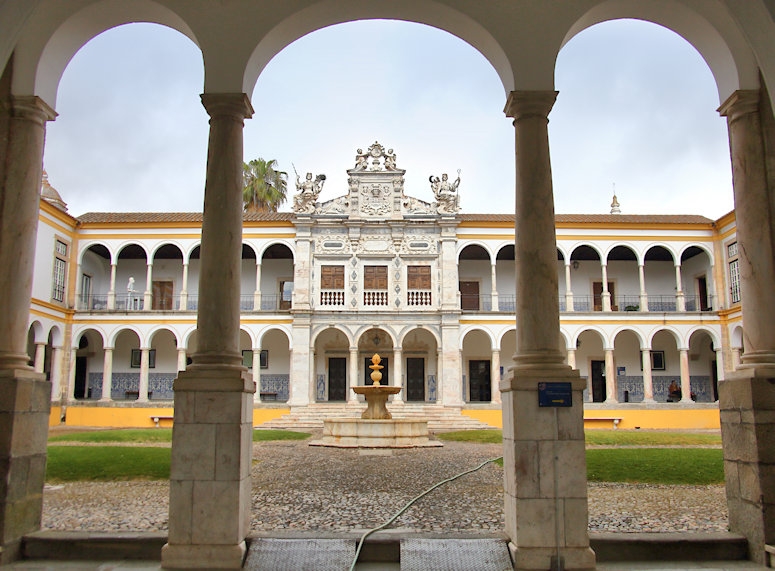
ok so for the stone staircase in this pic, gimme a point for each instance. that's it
(439, 418)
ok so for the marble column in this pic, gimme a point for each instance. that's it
(680, 300)
(142, 392)
(568, 289)
(398, 374)
(40, 357)
(450, 372)
(648, 381)
(611, 393)
(184, 292)
(545, 488)
(112, 291)
(352, 378)
(605, 296)
(571, 358)
(686, 385)
(56, 373)
(210, 503)
(257, 292)
(746, 402)
(495, 376)
(181, 359)
(494, 289)
(107, 374)
(644, 297)
(24, 408)
(256, 373)
(302, 377)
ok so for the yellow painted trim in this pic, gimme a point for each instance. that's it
(267, 321)
(137, 225)
(667, 418)
(69, 232)
(604, 225)
(564, 318)
(133, 417)
(591, 238)
(137, 237)
(728, 218)
(288, 235)
(728, 233)
(53, 211)
(51, 306)
(132, 318)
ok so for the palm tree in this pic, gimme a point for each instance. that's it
(264, 187)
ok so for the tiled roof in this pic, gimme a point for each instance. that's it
(600, 218)
(196, 218)
(170, 217)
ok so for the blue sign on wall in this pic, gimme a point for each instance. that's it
(555, 394)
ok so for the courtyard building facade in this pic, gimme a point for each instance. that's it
(650, 307)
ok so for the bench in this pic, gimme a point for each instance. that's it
(267, 395)
(769, 555)
(603, 420)
(157, 418)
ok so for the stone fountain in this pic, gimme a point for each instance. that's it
(376, 428)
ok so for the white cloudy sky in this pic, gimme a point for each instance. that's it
(636, 109)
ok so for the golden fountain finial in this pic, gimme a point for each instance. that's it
(375, 367)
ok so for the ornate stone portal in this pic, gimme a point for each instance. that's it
(376, 428)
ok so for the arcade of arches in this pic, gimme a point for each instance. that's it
(213, 396)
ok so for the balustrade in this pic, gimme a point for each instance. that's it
(417, 297)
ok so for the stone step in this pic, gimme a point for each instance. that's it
(439, 418)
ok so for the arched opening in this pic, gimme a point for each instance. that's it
(474, 279)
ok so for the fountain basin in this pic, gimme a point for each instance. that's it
(376, 399)
(375, 433)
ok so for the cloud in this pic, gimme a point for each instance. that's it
(636, 108)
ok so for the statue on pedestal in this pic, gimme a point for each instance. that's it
(308, 191)
(446, 193)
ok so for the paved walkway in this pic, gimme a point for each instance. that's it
(297, 487)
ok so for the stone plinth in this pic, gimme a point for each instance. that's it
(212, 445)
(25, 398)
(747, 408)
(367, 433)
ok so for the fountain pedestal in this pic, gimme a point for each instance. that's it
(376, 428)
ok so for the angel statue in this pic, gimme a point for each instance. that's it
(308, 191)
(446, 193)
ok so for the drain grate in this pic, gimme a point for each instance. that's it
(299, 555)
(455, 555)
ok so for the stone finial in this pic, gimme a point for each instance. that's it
(50, 194)
(615, 204)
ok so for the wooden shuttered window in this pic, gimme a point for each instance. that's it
(418, 277)
(375, 278)
(332, 277)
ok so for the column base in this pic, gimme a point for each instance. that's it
(203, 557)
(25, 401)
(540, 558)
(747, 409)
(210, 487)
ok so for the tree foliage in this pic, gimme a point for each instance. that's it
(264, 187)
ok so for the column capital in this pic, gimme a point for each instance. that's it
(231, 104)
(33, 108)
(522, 104)
(741, 102)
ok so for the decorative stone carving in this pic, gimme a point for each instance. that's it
(375, 159)
(414, 205)
(332, 244)
(421, 244)
(375, 199)
(448, 201)
(308, 191)
(338, 205)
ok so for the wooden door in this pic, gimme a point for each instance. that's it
(162, 295)
(480, 383)
(469, 295)
(415, 379)
(598, 381)
(702, 287)
(337, 379)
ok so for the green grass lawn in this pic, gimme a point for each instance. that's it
(154, 435)
(696, 466)
(106, 463)
(601, 438)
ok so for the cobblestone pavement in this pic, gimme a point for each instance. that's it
(300, 487)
